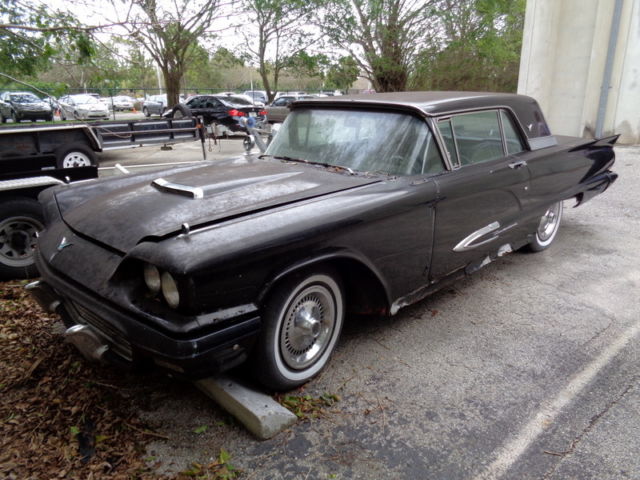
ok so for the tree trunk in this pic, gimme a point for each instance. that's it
(172, 80)
(265, 82)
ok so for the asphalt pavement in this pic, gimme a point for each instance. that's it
(528, 369)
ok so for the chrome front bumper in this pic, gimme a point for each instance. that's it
(87, 339)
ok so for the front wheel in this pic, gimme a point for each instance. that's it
(145, 112)
(20, 222)
(302, 321)
(547, 228)
(15, 117)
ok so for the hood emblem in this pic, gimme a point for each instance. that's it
(64, 244)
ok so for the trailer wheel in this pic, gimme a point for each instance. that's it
(75, 155)
(20, 221)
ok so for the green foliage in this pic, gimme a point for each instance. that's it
(343, 74)
(383, 36)
(31, 34)
(483, 48)
(169, 32)
(278, 36)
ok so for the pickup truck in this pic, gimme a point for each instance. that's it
(360, 205)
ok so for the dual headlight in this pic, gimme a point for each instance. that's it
(157, 281)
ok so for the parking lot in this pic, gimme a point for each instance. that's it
(528, 369)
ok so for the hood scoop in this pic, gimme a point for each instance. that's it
(202, 191)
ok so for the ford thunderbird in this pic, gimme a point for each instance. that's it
(360, 205)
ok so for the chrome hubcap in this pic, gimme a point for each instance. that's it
(549, 222)
(18, 240)
(307, 328)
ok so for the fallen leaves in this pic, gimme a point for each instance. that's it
(62, 417)
(306, 406)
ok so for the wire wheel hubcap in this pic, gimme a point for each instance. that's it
(549, 222)
(309, 322)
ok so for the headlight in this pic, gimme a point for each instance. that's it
(152, 278)
(170, 290)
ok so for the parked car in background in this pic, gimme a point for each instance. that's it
(82, 107)
(106, 101)
(122, 103)
(154, 105)
(360, 205)
(279, 108)
(157, 104)
(257, 96)
(226, 110)
(19, 106)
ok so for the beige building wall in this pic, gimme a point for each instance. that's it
(564, 53)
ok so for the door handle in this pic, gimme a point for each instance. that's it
(518, 164)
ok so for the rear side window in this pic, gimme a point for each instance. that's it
(511, 136)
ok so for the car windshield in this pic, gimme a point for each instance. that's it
(80, 99)
(24, 98)
(366, 141)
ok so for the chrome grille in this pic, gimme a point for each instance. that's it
(117, 343)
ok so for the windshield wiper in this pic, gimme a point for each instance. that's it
(285, 158)
(309, 162)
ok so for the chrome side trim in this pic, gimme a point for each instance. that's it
(193, 192)
(468, 242)
(30, 182)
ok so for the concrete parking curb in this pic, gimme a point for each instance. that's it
(259, 413)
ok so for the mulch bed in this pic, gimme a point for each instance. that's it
(63, 417)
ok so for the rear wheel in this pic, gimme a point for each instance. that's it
(20, 222)
(302, 321)
(547, 228)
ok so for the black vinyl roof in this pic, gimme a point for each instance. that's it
(434, 103)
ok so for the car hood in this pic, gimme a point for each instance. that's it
(122, 212)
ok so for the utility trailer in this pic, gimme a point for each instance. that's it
(33, 158)
(26, 148)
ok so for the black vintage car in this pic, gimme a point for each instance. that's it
(360, 205)
(228, 110)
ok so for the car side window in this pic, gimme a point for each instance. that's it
(281, 102)
(196, 102)
(446, 131)
(478, 137)
(511, 136)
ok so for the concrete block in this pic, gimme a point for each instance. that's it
(259, 413)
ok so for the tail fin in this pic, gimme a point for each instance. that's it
(597, 143)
